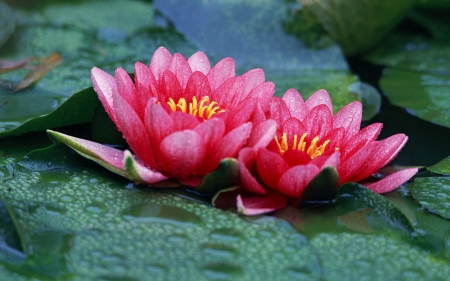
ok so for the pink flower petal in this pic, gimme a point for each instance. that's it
(271, 166)
(126, 88)
(335, 136)
(229, 145)
(381, 154)
(318, 122)
(295, 157)
(262, 134)
(240, 114)
(355, 143)
(159, 124)
(319, 97)
(392, 181)
(181, 68)
(105, 85)
(252, 79)
(110, 158)
(211, 130)
(171, 87)
(221, 72)
(247, 156)
(260, 204)
(197, 86)
(295, 103)
(228, 93)
(294, 181)
(246, 159)
(133, 129)
(278, 110)
(160, 62)
(292, 127)
(263, 92)
(183, 153)
(349, 118)
(331, 160)
(184, 121)
(144, 80)
(199, 62)
(138, 172)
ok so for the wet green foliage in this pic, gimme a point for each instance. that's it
(65, 218)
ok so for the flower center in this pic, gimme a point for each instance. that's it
(205, 109)
(312, 150)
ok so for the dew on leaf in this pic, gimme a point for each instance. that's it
(225, 271)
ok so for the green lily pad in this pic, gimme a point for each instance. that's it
(323, 187)
(258, 42)
(7, 22)
(435, 21)
(443, 167)
(12, 246)
(223, 177)
(101, 227)
(423, 94)
(414, 53)
(358, 25)
(77, 109)
(433, 193)
(102, 41)
(353, 196)
(347, 256)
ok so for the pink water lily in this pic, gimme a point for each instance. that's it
(308, 140)
(179, 116)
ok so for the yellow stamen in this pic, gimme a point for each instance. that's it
(205, 109)
(313, 150)
(283, 145)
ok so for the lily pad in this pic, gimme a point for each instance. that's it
(347, 256)
(7, 22)
(358, 25)
(322, 187)
(433, 193)
(104, 228)
(258, 42)
(82, 45)
(353, 196)
(443, 167)
(12, 246)
(423, 94)
(412, 52)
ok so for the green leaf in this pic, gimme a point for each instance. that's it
(77, 109)
(355, 196)
(358, 25)
(423, 94)
(347, 256)
(7, 22)
(103, 41)
(433, 193)
(322, 187)
(443, 167)
(103, 228)
(435, 21)
(12, 245)
(258, 42)
(414, 53)
(223, 177)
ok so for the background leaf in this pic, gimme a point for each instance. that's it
(103, 41)
(433, 193)
(7, 22)
(102, 224)
(443, 167)
(358, 25)
(258, 42)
